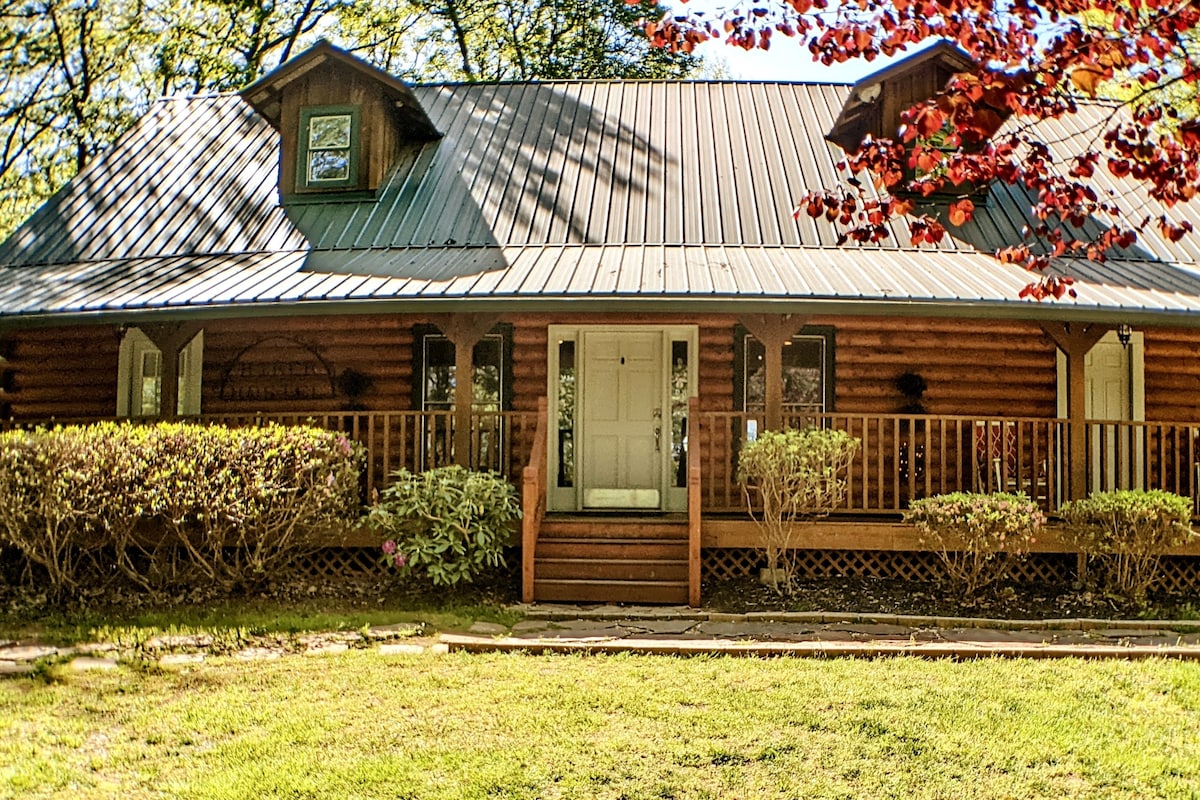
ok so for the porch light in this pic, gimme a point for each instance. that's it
(1124, 334)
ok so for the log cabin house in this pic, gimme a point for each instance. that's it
(616, 267)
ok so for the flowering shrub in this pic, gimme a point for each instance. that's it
(795, 475)
(1127, 533)
(978, 537)
(449, 524)
(170, 503)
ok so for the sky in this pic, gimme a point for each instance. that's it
(787, 60)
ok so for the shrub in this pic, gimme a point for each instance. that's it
(242, 503)
(449, 523)
(796, 475)
(1127, 533)
(228, 505)
(47, 508)
(978, 537)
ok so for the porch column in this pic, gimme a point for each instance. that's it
(464, 330)
(1075, 339)
(773, 330)
(170, 338)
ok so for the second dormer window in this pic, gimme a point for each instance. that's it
(329, 144)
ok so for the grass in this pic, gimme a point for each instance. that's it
(362, 725)
(255, 616)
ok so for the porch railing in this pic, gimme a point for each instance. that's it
(906, 457)
(1145, 455)
(416, 440)
(533, 500)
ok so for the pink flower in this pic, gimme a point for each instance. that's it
(400, 560)
(389, 547)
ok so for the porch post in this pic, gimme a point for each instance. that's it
(464, 330)
(170, 338)
(772, 330)
(1075, 340)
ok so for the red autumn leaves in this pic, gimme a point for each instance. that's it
(1040, 61)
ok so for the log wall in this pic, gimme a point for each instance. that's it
(378, 347)
(993, 368)
(61, 373)
(1172, 374)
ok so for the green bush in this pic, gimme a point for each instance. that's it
(242, 503)
(48, 510)
(449, 523)
(978, 537)
(1127, 533)
(169, 503)
(795, 475)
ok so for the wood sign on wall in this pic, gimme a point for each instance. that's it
(277, 369)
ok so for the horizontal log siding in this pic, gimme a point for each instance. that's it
(989, 368)
(1172, 374)
(63, 373)
(379, 347)
(984, 367)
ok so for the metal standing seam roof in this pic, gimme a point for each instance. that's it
(639, 192)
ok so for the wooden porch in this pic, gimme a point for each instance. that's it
(658, 558)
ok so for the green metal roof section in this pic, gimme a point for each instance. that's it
(547, 193)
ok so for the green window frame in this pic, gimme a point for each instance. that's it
(330, 138)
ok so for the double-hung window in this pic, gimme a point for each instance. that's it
(329, 139)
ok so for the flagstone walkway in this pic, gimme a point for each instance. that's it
(821, 634)
(676, 631)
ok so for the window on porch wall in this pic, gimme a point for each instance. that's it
(437, 382)
(139, 375)
(807, 366)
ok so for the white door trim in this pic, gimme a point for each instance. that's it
(570, 498)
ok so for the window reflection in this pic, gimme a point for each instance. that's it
(566, 413)
(679, 410)
(487, 390)
(803, 365)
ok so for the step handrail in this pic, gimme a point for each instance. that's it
(693, 503)
(533, 499)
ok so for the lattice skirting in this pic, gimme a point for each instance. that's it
(342, 562)
(1179, 575)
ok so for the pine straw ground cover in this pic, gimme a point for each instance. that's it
(363, 725)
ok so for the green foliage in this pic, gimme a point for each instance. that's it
(978, 537)
(76, 74)
(1127, 533)
(47, 508)
(449, 523)
(173, 502)
(795, 475)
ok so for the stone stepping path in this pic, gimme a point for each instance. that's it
(673, 631)
(685, 631)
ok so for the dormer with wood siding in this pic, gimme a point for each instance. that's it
(342, 123)
(877, 101)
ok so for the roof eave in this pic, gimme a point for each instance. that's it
(612, 303)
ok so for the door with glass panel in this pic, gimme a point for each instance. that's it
(619, 396)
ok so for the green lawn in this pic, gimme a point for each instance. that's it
(255, 616)
(359, 724)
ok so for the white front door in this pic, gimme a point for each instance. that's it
(1110, 387)
(621, 419)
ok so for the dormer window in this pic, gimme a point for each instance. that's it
(343, 124)
(329, 145)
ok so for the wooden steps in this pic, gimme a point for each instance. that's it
(608, 559)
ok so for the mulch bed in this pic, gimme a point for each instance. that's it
(884, 596)
(848, 594)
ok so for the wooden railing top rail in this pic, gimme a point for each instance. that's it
(832, 415)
